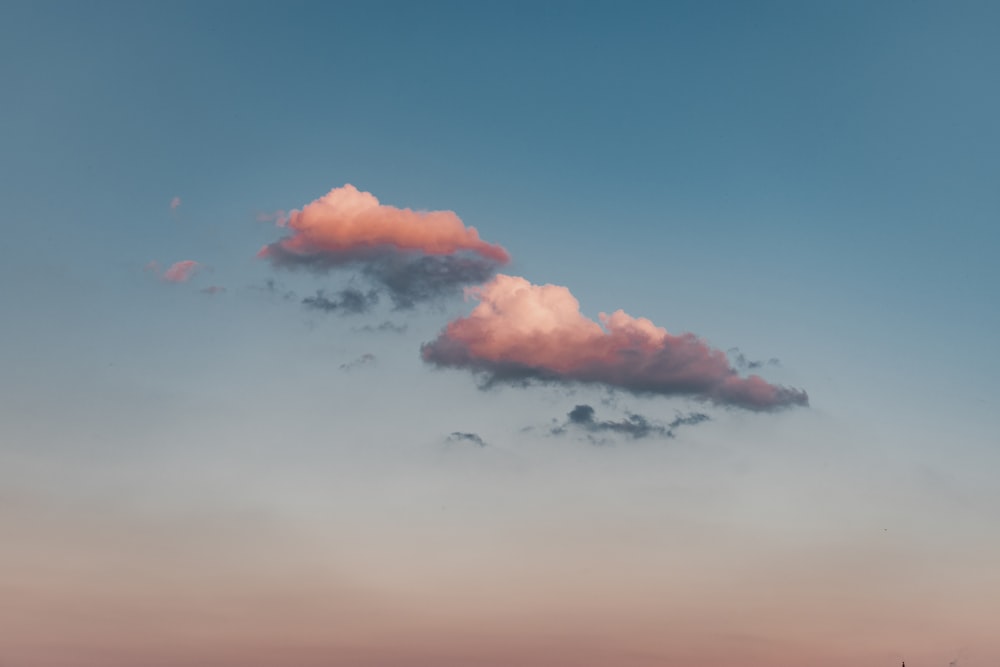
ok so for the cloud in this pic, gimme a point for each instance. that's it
(474, 438)
(271, 286)
(364, 360)
(347, 223)
(383, 327)
(175, 203)
(634, 425)
(415, 255)
(180, 272)
(277, 218)
(349, 301)
(741, 362)
(412, 280)
(213, 289)
(689, 419)
(521, 332)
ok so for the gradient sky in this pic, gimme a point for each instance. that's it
(197, 469)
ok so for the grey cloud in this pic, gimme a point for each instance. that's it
(411, 280)
(390, 327)
(349, 301)
(633, 425)
(408, 278)
(271, 286)
(474, 438)
(740, 360)
(364, 360)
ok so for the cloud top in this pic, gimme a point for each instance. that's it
(521, 332)
(348, 224)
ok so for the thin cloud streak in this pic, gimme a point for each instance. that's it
(634, 425)
(522, 332)
(349, 301)
(365, 359)
(460, 436)
(387, 326)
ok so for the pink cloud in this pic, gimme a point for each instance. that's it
(520, 331)
(174, 203)
(348, 224)
(180, 272)
(415, 256)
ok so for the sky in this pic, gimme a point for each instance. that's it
(455, 334)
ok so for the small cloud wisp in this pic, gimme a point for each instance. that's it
(474, 438)
(349, 301)
(180, 272)
(634, 425)
(365, 359)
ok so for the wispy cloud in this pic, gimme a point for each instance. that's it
(522, 332)
(460, 436)
(387, 326)
(180, 272)
(212, 289)
(365, 359)
(349, 301)
(634, 425)
(740, 360)
(175, 203)
(276, 218)
(274, 288)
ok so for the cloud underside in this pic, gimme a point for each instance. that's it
(414, 256)
(406, 278)
(521, 333)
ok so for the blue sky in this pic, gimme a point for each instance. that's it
(807, 181)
